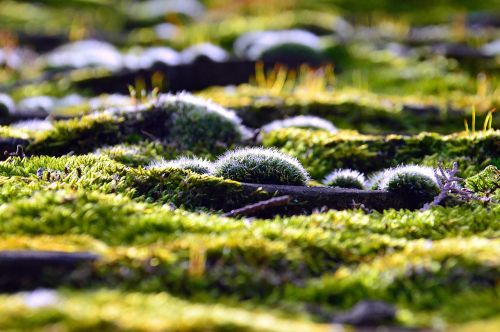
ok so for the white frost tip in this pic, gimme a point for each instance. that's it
(345, 174)
(33, 125)
(193, 163)
(41, 298)
(207, 105)
(300, 121)
(389, 174)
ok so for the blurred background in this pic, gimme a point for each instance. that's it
(427, 55)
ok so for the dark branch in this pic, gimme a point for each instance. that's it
(449, 184)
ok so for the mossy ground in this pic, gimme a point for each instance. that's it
(169, 260)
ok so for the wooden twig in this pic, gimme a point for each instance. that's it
(19, 152)
(252, 209)
(449, 184)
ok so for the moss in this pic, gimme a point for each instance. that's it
(107, 310)
(295, 53)
(92, 131)
(257, 165)
(11, 138)
(135, 155)
(423, 265)
(9, 132)
(182, 120)
(320, 152)
(101, 174)
(407, 258)
(197, 122)
(191, 190)
(350, 107)
(345, 178)
(487, 182)
(193, 164)
(414, 182)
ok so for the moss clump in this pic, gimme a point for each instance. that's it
(257, 165)
(193, 164)
(345, 178)
(415, 181)
(6, 105)
(198, 122)
(300, 121)
(292, 53)
(487, 182)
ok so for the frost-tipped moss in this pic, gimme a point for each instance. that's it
(33, 125)
(257, 165)
(301, 121)
(193, 164)
(411, 181)
(6, 105)
(291, 52)
(345, 178)
(204, 52)
(282, 44)
(374, 179)
(133, 155)
(198, 122)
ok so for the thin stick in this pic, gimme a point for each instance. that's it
(252, 209)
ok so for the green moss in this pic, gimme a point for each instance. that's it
(194, 127)
(136, 155)
(182, 120)
(193, 164)
(292, 52)
(320, 152)
(106, 310)
(487, 182)
(345, 178)
(182, 187)
(420, 275)
(92, 131)
(386, 255)
(101, 174)
(257, 165)
(9, 132)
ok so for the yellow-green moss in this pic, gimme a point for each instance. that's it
(321, 152)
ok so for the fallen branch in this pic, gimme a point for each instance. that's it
(449, 184)
(19, 152)
(252, 209)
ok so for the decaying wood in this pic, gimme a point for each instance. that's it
(308, 199)
(20, 270)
